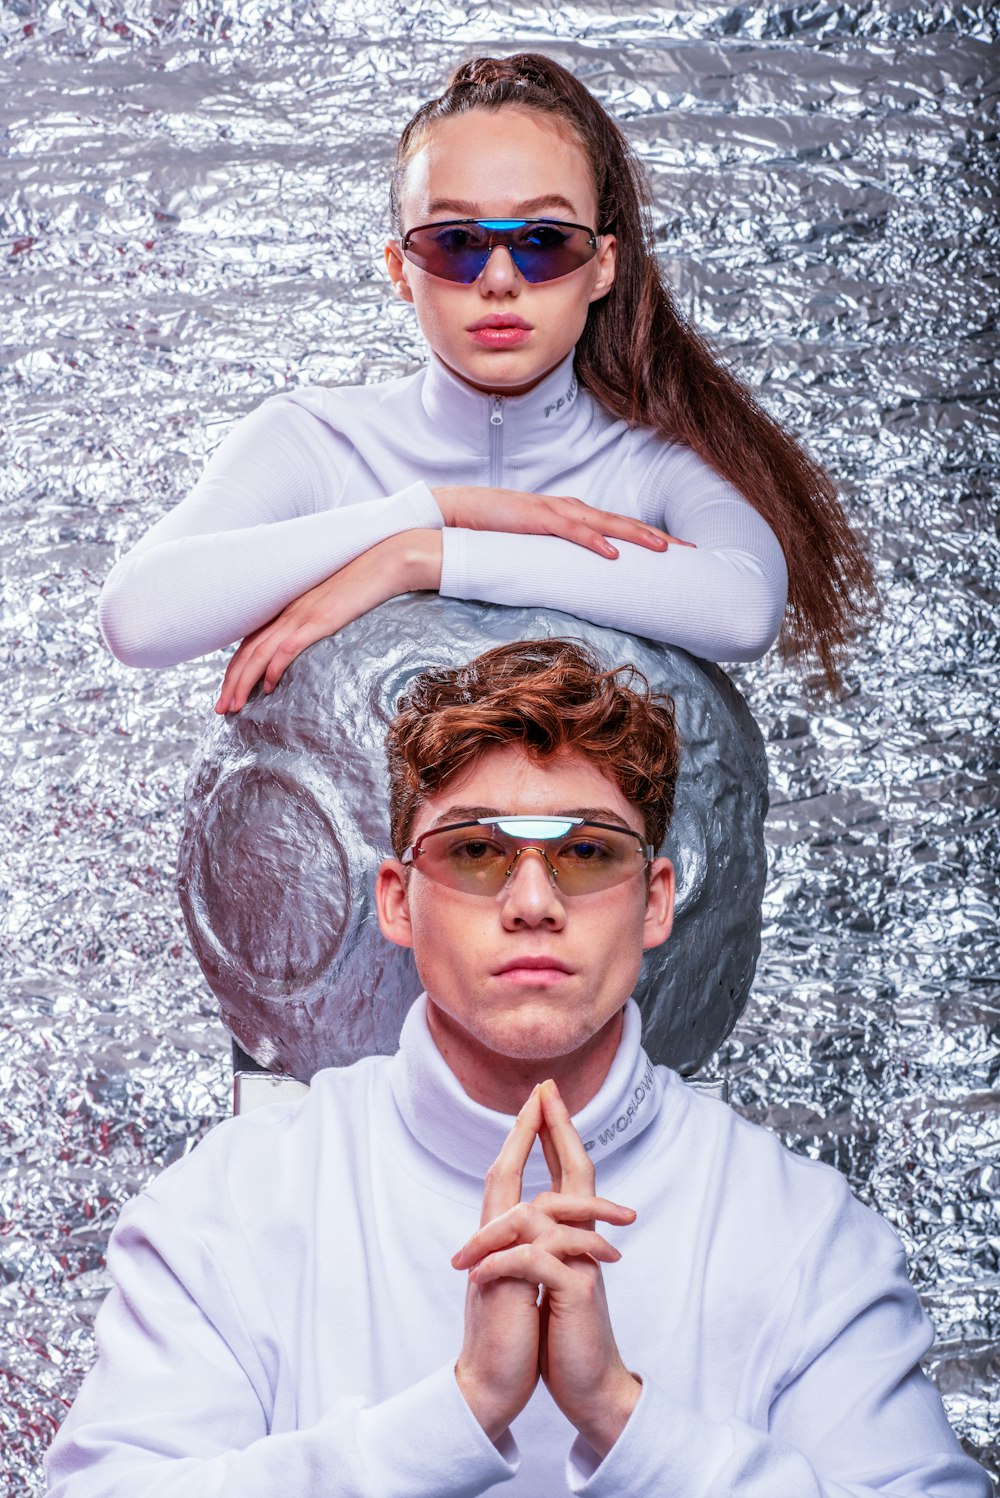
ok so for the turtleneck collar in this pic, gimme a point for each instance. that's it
(466, 1136)
(467, 414)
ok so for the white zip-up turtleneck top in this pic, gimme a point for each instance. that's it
(313, 478)
(285, 1319)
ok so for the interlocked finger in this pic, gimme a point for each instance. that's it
(532, 1221)
(570, 1167)
(566, 1206)
(536, 1265)
(502, 1189)
(561, 1240)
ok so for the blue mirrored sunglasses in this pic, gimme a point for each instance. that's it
(542, 249)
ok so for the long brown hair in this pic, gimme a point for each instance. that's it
(648, 366)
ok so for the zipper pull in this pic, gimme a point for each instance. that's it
(496, 415)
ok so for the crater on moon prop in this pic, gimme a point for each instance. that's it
(286, 821)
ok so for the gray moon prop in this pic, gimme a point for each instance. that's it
(286, 821)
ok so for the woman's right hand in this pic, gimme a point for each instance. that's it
(472, 508)
(407, 562)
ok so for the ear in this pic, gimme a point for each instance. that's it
(395, 264)
(391, 903)
(659, 917)
(606, 261)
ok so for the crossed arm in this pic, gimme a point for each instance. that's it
(282, 541)
(411, 562)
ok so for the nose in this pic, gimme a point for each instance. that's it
(499, 276)
(530, 896)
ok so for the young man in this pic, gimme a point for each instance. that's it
(398, 1289)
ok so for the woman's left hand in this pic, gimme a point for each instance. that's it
(401, 564)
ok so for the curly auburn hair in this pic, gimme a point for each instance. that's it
(547, 697)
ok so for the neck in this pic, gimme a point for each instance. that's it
(466, 1136)
(542, 416)
(503, 1083)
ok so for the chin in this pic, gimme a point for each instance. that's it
(501, 370)
(530, 1034)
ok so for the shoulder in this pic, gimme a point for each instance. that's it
(604, 427)
(322, 421)
(260, 1193)
(276, 1151)
(783, 1234)
(661, 465)
(766, 1195)
(336, 404)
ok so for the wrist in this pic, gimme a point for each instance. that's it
(418, 560)
(493, 1421)
(611, 1414)
(445, 499)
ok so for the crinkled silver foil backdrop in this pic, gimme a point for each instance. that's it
(193, 207)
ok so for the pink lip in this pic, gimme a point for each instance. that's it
(501, 330)
(501, 337)
(534, 970)
(499, 320)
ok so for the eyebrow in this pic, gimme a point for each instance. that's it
(524, 209)
(473, 814)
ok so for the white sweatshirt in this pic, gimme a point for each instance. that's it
(285, 1319)
(313, 478)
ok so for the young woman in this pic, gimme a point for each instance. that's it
(571, 443)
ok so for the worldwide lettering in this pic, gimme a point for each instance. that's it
(642, 1090)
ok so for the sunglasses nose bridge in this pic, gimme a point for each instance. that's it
(499, 241)
(490, 265)
(530, 848)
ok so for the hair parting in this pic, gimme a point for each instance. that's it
(647, 365)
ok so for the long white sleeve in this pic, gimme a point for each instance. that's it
(285, 1318)
(266, 521)
(722, 599)
(871, 1416)
(311, 479)
(181, 1403)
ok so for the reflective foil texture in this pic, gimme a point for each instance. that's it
(193, 208)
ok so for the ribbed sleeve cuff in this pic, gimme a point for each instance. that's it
(418, 500)
(664, 1448)
(425, 1442)
(453, 564)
